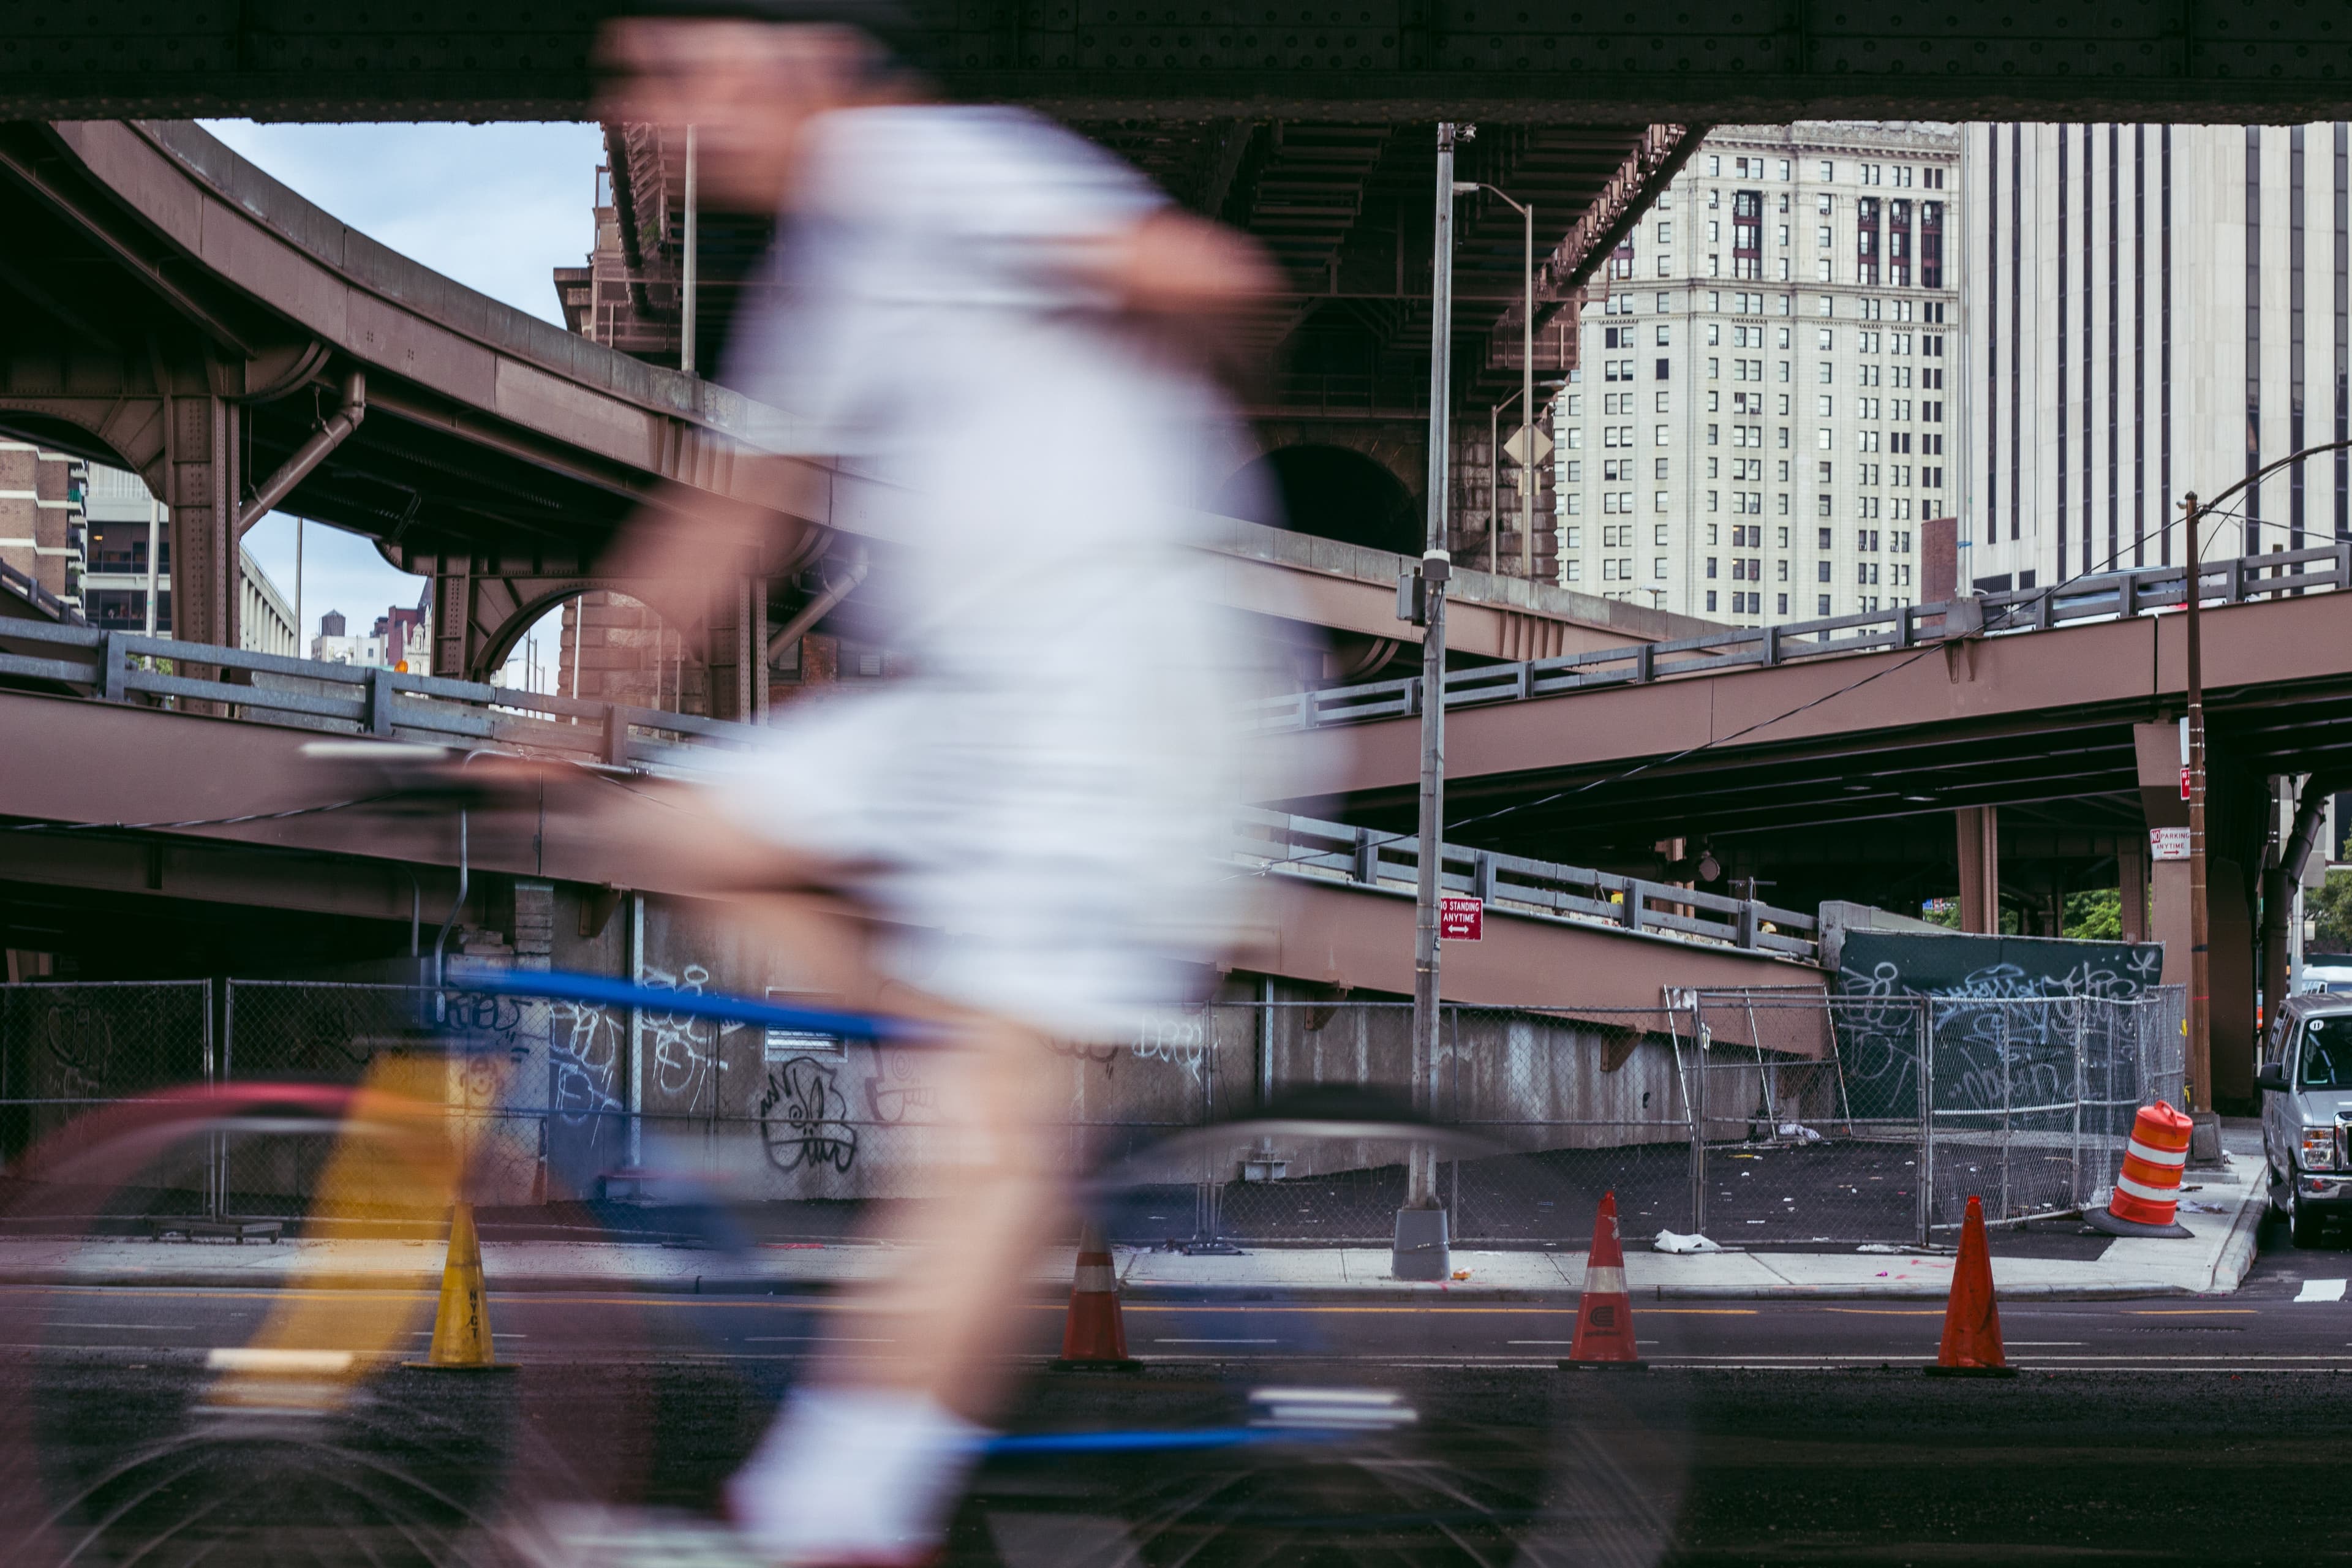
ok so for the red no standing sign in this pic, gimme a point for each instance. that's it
(1460, 919)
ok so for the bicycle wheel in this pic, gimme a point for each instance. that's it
(1318, 1425)
(260, 1425)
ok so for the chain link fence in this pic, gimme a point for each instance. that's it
(69, 1047)
(1754, 1117)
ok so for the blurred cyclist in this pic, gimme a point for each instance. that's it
(1004, 324)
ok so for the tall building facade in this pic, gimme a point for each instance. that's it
(127, 575)
(42, 534)
(2153, 310)
(1757, 424)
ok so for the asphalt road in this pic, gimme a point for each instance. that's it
(2165, 1430)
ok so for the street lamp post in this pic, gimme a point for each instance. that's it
(1495, 482)
(1527, 368)
(690, 282)
(1421, 1250)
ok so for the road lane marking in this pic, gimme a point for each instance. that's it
(144, 1328)
(2048, 1344)
(811, 1338)
(2322, 1290)
(1216, 1341)
(2193, 1312)
(1887, 1312)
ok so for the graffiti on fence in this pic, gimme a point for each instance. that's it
(1990, 1054)
(1180, 1039)
(684, 1050)
(583, 1059)
(78, 1038)
(895, 1088)
(805, 1119)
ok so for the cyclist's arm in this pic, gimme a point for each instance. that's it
(684, 540)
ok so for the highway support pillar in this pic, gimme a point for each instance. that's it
(1980, 847)
(2131, 879)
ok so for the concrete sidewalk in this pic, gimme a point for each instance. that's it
(2213, 1261)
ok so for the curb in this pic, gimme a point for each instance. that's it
(739, 1286)
(2120, 1290)
(2237, 1258)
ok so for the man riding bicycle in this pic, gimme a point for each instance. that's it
(1013, 839)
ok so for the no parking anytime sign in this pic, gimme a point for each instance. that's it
(1460, 919)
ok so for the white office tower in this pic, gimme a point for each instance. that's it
(1758, 423)
(2152, 310)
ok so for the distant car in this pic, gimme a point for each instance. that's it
(2305, 1080)
(2335, 978)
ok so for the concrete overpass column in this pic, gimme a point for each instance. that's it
(453, 617)
(1979, 831)
(199, 483)
(2131, 874)
(734, 658)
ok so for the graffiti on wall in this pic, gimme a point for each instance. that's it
(805, 1118)
(1180, 1039)
(896, 1091)
(1988, 1052)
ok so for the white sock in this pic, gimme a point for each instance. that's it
(855, 1476)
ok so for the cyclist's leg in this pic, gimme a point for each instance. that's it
(867, 1462)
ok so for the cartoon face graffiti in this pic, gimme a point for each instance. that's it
(804, 1119)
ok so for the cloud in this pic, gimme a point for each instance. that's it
(498, 207)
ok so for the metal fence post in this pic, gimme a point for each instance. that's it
(216, 1154)
(1698, 1119)
(1922, 1047)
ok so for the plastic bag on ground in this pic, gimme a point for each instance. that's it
(1675, 1241)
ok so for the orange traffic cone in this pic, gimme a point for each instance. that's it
(1971, 1346)
(1605, 1312)
(1093, 1338)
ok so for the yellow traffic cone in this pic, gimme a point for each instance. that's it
(461, 1326)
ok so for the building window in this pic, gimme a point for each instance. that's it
(1824, 606)
(1710, 572)
(1710, 599)
(1658, 568)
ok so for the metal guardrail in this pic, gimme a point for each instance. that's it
(2120, 595)
(1364, 858)
(116, 665)
(23, 586)
(439, 711)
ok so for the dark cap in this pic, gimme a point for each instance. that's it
(888, 21)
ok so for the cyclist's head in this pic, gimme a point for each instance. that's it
(749, 75)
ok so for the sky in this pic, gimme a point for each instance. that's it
(494, 206)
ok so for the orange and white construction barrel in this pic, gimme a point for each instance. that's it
(2147, 1197)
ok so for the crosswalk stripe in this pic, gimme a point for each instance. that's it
(2322, 1290)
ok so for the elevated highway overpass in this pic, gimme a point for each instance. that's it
(2008, 747)
(116, 810)
(175, 312)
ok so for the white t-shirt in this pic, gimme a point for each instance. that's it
(1045, 791)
